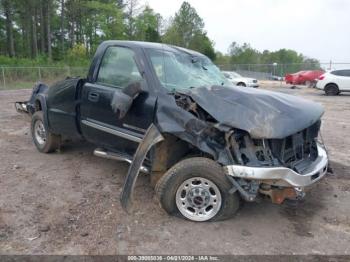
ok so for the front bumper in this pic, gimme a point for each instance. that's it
(283, 175)
(319, 86)
(255, 85)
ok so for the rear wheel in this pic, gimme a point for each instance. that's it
(43, 139)
(197, 189)
(331, 90)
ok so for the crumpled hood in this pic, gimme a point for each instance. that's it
(262, 113)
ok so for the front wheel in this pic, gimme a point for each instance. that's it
(43, 139)
(197, 189)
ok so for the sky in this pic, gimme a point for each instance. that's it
(316, 28)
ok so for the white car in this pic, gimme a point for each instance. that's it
(239, 80)
(334, 82)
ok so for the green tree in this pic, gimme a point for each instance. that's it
(8, 12)
(90, 22)
(185, 25)
(147, 26)
(243, 54)
(131, 10)
(186, 29)
(202, 44)
(53, 30)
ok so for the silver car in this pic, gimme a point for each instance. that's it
(239, 80)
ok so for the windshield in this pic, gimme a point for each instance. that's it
(180, 70)
(236, 75)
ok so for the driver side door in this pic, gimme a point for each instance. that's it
(99, 123)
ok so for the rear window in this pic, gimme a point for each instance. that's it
(341, 72)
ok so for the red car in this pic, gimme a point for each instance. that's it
(303, 77)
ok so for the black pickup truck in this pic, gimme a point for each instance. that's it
(170, 112)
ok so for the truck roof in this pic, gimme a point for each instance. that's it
(153, 45)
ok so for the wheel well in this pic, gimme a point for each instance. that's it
(169, 152)
(331, 84)
(241, 83)
(37, 106)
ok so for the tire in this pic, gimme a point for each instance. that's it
(43, 139)
(212, 201)
(241, 84)
(331, 90)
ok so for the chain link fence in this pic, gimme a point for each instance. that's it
(277, 71)
(26, 77)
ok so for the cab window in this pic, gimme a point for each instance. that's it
(118, 68)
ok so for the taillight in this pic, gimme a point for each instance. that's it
(321, 77)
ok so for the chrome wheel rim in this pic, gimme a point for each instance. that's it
(40, 132)
(198, 199)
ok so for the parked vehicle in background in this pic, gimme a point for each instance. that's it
(239, 80)
(276, 78)
(334, 82)
(292, 78)
(307, 78)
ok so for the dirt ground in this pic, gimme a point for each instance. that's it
(68, 202)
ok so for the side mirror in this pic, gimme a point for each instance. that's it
(123, 98)
(133, 89)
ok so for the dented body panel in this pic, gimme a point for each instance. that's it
(152, 137)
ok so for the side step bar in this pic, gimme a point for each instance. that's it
(115, 156)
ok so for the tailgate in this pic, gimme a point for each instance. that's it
(21, 107)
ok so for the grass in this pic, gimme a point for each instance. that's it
(26, 77)
(17, 85)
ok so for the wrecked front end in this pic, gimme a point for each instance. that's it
(280, 168)
(266, 142)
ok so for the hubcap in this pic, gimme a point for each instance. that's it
(198, 199)
(39, 132)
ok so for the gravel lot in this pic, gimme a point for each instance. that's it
(68, 202)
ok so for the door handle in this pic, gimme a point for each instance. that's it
(93, 97)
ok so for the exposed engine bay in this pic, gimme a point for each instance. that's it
(295, 151)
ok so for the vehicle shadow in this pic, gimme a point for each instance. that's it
(321, 93)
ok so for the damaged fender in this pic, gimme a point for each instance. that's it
(39, 94)
(152, 137)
